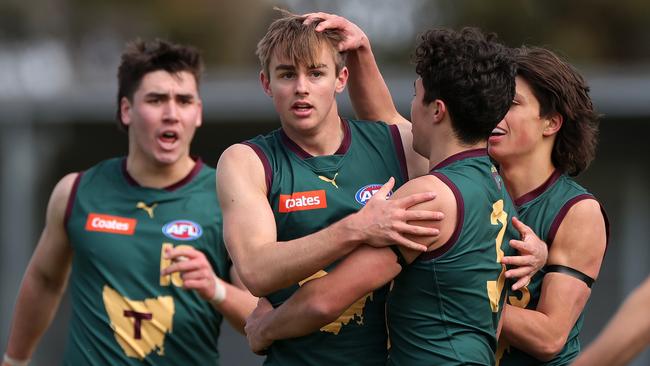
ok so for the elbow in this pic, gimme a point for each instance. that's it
(551, 348)
(323, 310)
(254, 282)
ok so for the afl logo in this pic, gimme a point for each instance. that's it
(365, 193)
(182, 230)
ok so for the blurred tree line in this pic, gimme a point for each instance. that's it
(592, 32)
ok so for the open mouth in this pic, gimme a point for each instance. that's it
(168, 137)
(301, 106)
(498, 132)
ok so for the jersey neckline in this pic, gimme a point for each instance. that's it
(302, 154)
(539, 190)
(460, 156)
(195, 170)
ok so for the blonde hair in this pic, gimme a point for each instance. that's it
(287, 37)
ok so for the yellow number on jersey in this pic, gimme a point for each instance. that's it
(174, 278)
(494, 288)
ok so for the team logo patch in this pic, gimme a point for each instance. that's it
(110, 224)
(366, 192)
(140, 326)
(301, 201)
(182, 230)
(496, 176)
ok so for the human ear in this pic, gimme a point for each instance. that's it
(266, 83)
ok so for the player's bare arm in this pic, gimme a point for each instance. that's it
(322, 300)
(626, 334)
(233, 301)
(579, 244)
(368, 91)
(45, 279)
(264, 264)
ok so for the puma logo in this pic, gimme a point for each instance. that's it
(147, 209)
(333, 180)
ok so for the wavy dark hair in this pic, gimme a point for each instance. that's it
(559, 88)
(142, 57)
(472, 73)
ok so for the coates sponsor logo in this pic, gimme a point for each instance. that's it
(366, 192)
(182, 230)
(110, 224)
(300, 201)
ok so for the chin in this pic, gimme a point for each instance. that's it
(499, 155)
(167, 159)
(302, 125)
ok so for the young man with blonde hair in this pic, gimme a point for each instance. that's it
(298, 199)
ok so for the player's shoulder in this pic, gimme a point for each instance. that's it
(428, 183)
(586, 211)
(236, 153)
(62, 193)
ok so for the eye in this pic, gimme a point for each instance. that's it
(317, 73)
(287, 75)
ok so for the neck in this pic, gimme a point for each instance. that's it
(444, 144)
(158, 175)
(324, 139)
(525, 173)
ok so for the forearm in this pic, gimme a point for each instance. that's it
(368, 91)
(531, 331)
(237, 305)
(35, 307)
(277, 265)
(625, 335)
(281, 322)
(325, 298)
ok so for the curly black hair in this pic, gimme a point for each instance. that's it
(472, 73)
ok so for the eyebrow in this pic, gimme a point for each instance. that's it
(292, 67)
(285, 67)
(166, 95)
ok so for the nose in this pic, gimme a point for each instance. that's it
(302, 85)
(170, 112)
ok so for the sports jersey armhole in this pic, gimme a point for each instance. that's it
(460, 218)
(555, 226)
(268, 173)
(71, 199)
(606, 218)
(399, 151)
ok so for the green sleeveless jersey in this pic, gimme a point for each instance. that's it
(444, 308)
(123, 311)
(543, 210)
(309, 193)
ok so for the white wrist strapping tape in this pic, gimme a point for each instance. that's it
(14, 362)
(219, 292)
